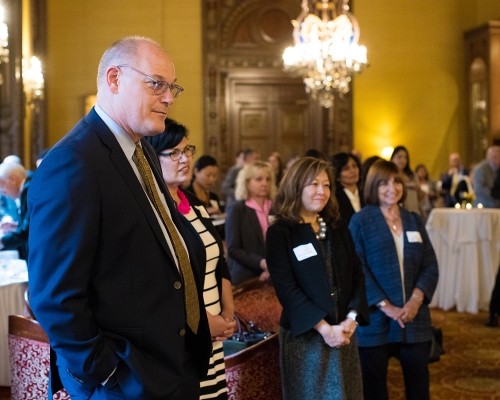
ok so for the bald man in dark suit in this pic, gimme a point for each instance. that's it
(113, 268)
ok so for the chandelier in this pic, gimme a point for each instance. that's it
(326, 52)
(33, 78)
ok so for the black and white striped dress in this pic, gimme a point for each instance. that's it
(214, 385)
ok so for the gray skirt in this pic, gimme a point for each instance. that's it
(310, 369)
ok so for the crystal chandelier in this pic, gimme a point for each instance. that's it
(326, 52)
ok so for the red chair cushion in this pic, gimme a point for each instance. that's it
(29, 367)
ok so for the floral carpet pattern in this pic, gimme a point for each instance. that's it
(470, 369)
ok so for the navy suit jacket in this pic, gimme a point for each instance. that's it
(377, 251)
(103, 282)
(302, 286)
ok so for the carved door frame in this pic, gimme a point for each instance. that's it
(329, 130)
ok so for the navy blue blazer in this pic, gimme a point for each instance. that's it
(103, 282)
(302, 286)
(377, 251)
(245, 243)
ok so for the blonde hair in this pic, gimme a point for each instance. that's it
(250, 171)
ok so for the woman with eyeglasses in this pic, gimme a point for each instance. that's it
(176, 155)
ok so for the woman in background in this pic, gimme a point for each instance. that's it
(277, 165)
(347, 191)
(205, 173)
(319, 282)
(175, 154)
(429, 191)
(401, 158)
(401, 275)
(247, 222)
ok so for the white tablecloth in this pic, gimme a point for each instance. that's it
(467, 246)
(13, 283)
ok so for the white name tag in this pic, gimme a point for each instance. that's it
(202, 211)
(304, 251)
(414, 237)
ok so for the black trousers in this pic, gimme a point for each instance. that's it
(495, 296)
(414, 359)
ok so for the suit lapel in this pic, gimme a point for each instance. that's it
(124, 168)
(253, 222)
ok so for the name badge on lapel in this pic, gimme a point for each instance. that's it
(304, 251)
(414, 237)
(203, 212)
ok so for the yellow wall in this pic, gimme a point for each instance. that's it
(413, 93)
(80, 31)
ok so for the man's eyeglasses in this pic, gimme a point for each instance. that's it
(177, 154)
(160, 87)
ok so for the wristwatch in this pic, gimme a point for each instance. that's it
(381, 304)
(353, 315)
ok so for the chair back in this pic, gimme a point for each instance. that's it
(29, 355)
(256, 301)
(254, 372)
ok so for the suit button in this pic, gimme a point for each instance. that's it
(177, 285)
(182, 332)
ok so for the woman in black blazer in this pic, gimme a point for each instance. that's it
(347, 189)
(319, 281)
(247, 222)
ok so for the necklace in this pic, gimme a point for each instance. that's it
(321, 235)
(392, 222)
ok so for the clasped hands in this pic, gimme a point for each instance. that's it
(221, 326)
(406, 313)
(337, 335)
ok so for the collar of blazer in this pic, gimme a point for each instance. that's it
(123, 167)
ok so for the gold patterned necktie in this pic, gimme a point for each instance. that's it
(190, 291)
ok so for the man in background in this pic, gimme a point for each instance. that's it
(484, 178)
(114, 276)
(456, 176)
(14, 184)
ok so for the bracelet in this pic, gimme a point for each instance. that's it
(417, 297)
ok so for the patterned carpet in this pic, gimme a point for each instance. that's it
(470, 369)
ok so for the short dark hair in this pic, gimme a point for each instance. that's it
(169, 138)
(313, 153)
(288, 201)
(340, 160)
(205, 161)
(381, 170)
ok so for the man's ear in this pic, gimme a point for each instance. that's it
(113, 75)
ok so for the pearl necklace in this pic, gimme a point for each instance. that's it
(321, 235)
